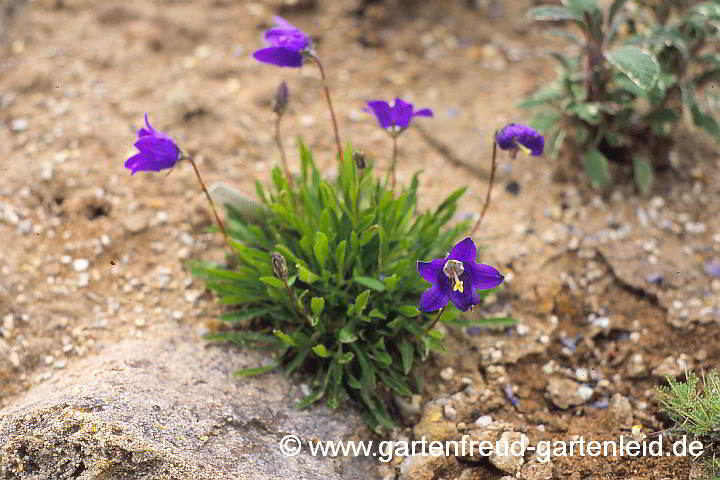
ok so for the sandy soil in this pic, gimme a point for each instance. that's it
(91, 255)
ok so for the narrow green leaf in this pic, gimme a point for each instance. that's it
(638, 64)
(344, 358)
(273, 282)
(437, 334)
(306, 275)
(340, 259)
(286, 339)
(248, 314)
(370, 283)
(249, 372)
(553, 13)
(375, 313)
(346, 335)
(391, 282)
(596, 166)
(408, 310)
(643, 174)
(396, 383)
(321, 248)
(407, 354)
(321, 351)
(361, 301)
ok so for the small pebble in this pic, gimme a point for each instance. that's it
(80, 264)
(484, 421)
(450, 412)
(447, 373)
(19, 125)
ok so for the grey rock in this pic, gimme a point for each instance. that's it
(511, 456)
(169, 408)
(566, 393)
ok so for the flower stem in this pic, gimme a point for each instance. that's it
(212, 204)
(393, 161)
(329, 102)
(283, 157)
(490, 185)
(436, 320)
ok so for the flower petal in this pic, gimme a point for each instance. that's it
(135, 162)
(423, 112)
(159, 149)
(431, 270)
(382, 112)
(483, 277)
(464, 251)
(434, 298)
(290, 38)
(279, 56)
(402, 113)
(465, 299)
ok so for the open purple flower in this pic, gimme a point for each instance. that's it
(456, 278)
(398, 117)
(287, 45)
(516, 137)
(157, 151)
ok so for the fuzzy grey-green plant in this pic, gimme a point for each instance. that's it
(637, 69)
(694, 407)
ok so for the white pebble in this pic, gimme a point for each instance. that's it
(80, 264)
(484, 421)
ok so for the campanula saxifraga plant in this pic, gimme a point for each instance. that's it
(635, 71)
(395, 119)
(325, 271)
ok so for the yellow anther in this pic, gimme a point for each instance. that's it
(458, 286)
(523, 148)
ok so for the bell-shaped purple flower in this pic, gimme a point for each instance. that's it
(397, 117)
(287, 45)
(516, 137)
(156, 150)
(456, 278)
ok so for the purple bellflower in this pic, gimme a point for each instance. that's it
(516, 137)
(157, 151)
(456, 278)
(397, 118)
(287, 45)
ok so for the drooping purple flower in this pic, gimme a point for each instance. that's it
(456, 278)
(287, 45)
(515, 137)
(398, 117)
(156, 150)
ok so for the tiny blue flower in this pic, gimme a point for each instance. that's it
(456, 278)
(287, 45)
(398, 117)
(516, 137)
(156, 150)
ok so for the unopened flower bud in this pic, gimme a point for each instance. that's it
(281, 99)
(359, 158)
(279, 265)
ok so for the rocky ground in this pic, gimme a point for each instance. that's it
(102, 322)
